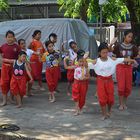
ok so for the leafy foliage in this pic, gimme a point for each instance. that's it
(113, 10)
(4, 4)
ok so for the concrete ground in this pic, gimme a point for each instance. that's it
(42, 120)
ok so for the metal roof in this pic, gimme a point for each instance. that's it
(32, 2)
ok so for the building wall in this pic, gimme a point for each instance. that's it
(24, 12)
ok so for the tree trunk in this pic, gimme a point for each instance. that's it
(84, 14)
(84, 10)
(134, 10)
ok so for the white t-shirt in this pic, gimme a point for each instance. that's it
(106, 68)
(79, 74)
(72, 54)
(29, 53)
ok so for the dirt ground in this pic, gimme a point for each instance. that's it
(40, 119)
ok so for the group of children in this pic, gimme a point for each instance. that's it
(22, 65)
(104, 66)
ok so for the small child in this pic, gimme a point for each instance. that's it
(80, 85)
(9, 51)
(72, 53)
(29, 52)
(104, 67)
(36, 64)
(18, 81)
(51, 57)
(53, 39)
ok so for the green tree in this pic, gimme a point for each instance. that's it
(134, 10)
(4, 7)
(113, 11)
(3, 4)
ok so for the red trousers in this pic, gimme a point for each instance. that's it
(105, 90)
(36, 66)
(18, 85)
(79, 91)
(52, 77)
(124, 79)
(59, 72)
(6, 74)
(70, 75)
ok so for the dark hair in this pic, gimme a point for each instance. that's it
(20, 41)
(22, 52)
(102, 46)
(72, 42)
(35, 33)
(79, 57)
(80, 54)
(47, 43)
(127, 32)
(10, 32)
(52, 35)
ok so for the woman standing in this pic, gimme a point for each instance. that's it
(124, 71)
(36, 64)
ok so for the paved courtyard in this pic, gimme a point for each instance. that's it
(42, 120)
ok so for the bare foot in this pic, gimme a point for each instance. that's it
(80, 112)
(19, 106)
(50, 97)
(3, 104)
(68, 94)
(108, 114)
(42, 89)
(35, 88)
(76, 113)
(26, 96)
(125, 107)
(53, 100)
(121, 108)
(96, 96)
(104, 118)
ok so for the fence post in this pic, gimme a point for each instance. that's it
(101, 16)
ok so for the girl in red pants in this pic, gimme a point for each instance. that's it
(51, 57)
(18, 80)
(35, 59)
(80, 85)
(104, 67)
(72, 55)
(124, 71)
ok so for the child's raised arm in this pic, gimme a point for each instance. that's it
(110, 46)
(129, 60)
(62, 47)
(65, 64)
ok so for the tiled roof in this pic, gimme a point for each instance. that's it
(32, 2)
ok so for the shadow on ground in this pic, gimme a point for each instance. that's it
(55, 121)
